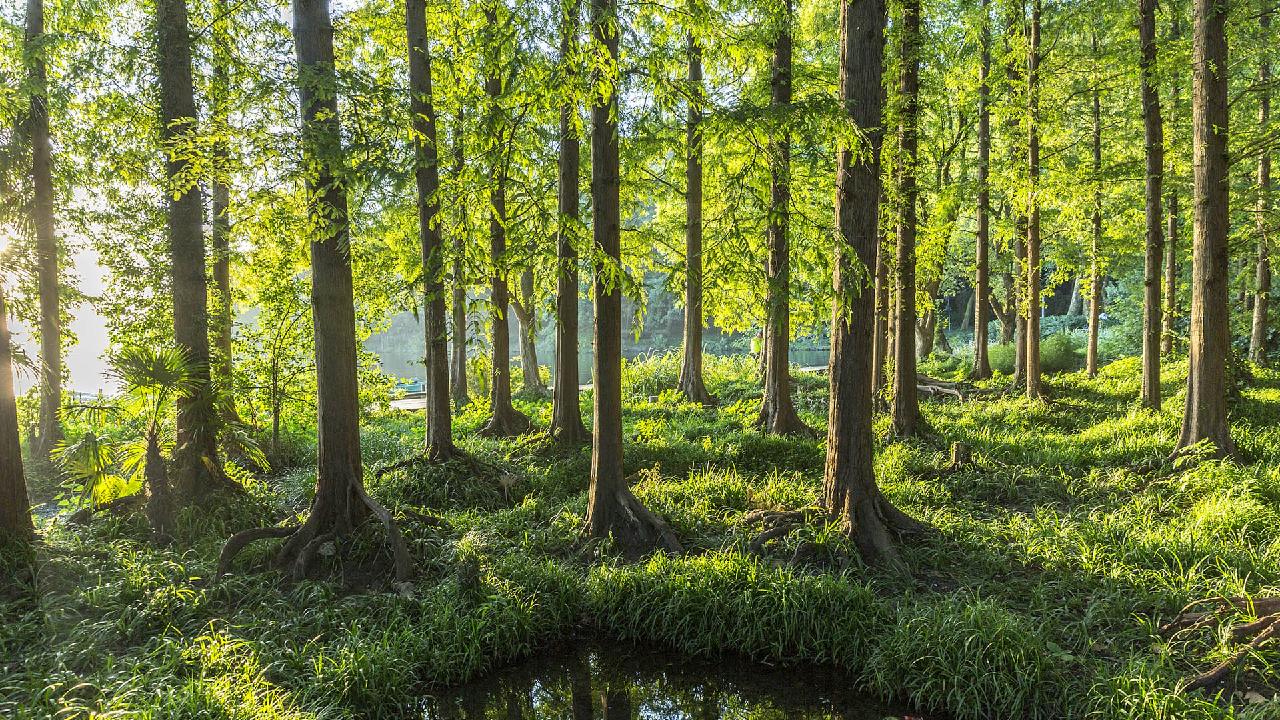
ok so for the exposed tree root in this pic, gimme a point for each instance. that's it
(508, 423)
(775, 419)
(1253, 634)
(304, 542)
(928, 387)
(778, 524)
(646, 527)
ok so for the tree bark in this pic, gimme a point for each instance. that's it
(604, 507)
(197, 466)
(850, 493)
(777, 412)
(439, 422)
(691, 381)
(1095, 248)
(458, 366)
(1034, 268)
(906, 404)
(220, 227)
(1016, 283)
(1205, 415)
(880, 333)
(566, 412)
(15, 506)
(49, 432)
(1153, 130)
(506, 421)
(1171, 244)
(527, 313)
(1262, 297)
(982, 286)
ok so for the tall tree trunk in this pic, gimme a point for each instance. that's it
(341, 501)
(1016, 285)
(906, 404)
(880, 331)
(506, 420)
(220, 229)
(1034, 268)
(1262, 297)
(1095, 249)
(15, 506)
(198, 469)
(1154, 135)
(527, 314)
(850, 493)
(49, 433)
(777, 412)
(1205, 416)
(611, 508)
(458, 366)
(691, 381)
(566, 411)
(439, 422)
(982, 286)
(1171, 244)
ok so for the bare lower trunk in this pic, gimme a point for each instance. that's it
(1034, 269)
(220, 228)
(777, 412)
(1095, 249)
(49, 432)
(850, 493)
(15, 506)
(612, 511)
(526, 312)
(159, 508)
(1154, 138)
(880, 333)
(566, 411)
(691, 382)
(458, 366)
(1171, 243)
(198, 468)
(506, 421)
(982, 285)
(1205, 416)
(1260, 331)
(906, 404)
(438, 438)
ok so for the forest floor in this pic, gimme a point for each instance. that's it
(1052, 562)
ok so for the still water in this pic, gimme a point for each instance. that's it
(595, 682)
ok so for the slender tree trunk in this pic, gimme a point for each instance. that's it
(604, 507)
(1016, 285)
(1205, 417)
(566, 413)
(198, 469)
(458, 367)
(1154, 136)
(1095, 249)
(982, 286)
(850, 492)
(506, 420)
(340, 501)
(526, 313)
(906, 404)
(880, 333)
(1034, 268)
(778, 413)
(15, 506)
(1260, 331)
(220, 228)
(439, 423)
(1171, 245)
(691, 381)
(49, 433)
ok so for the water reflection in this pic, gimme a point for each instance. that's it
(623, 683)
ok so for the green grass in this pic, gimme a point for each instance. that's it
(1037, 593)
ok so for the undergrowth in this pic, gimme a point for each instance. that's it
(1038, 593)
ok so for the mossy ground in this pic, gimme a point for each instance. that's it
(1037, 594)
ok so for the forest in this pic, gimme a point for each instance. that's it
(699, 360)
